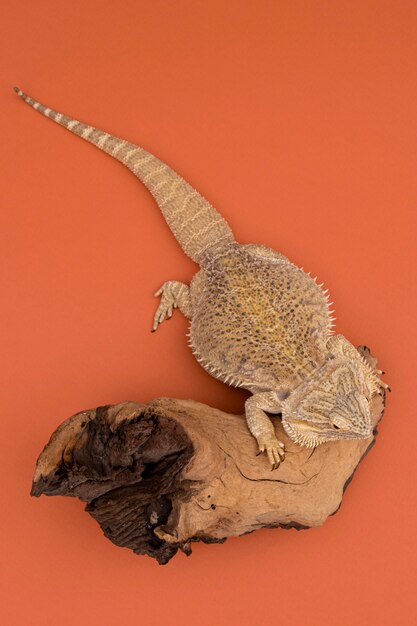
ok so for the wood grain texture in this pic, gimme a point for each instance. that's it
(159, 476)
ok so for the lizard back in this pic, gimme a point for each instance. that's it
(259, 320)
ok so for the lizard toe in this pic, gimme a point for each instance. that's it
(274, 450)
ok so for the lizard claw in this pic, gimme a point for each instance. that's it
(172, 294)
(274, 450)
(166, 305)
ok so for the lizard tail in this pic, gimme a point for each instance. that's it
(197, 226)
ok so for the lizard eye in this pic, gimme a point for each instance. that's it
(336, 427)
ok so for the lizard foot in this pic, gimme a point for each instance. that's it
(274, 450)
(173, 294)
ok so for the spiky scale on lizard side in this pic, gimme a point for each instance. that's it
(257, 320)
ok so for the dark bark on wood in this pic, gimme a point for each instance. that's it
(157, 477)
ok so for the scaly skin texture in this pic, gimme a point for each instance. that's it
(257, 320)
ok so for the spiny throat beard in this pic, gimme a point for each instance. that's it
(303, 433)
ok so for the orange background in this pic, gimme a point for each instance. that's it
(297, 119)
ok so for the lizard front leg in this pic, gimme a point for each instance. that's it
(173, 294)
(261, 426)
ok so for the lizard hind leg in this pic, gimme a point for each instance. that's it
(173, 295)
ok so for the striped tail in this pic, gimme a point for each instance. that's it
(198, 227)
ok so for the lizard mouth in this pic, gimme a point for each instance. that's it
(304, 426)
(310, 435)
(303, 433)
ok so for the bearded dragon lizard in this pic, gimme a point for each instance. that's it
(257, 320)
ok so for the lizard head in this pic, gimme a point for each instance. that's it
(333, 403)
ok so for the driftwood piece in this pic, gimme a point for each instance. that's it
(157, 477)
